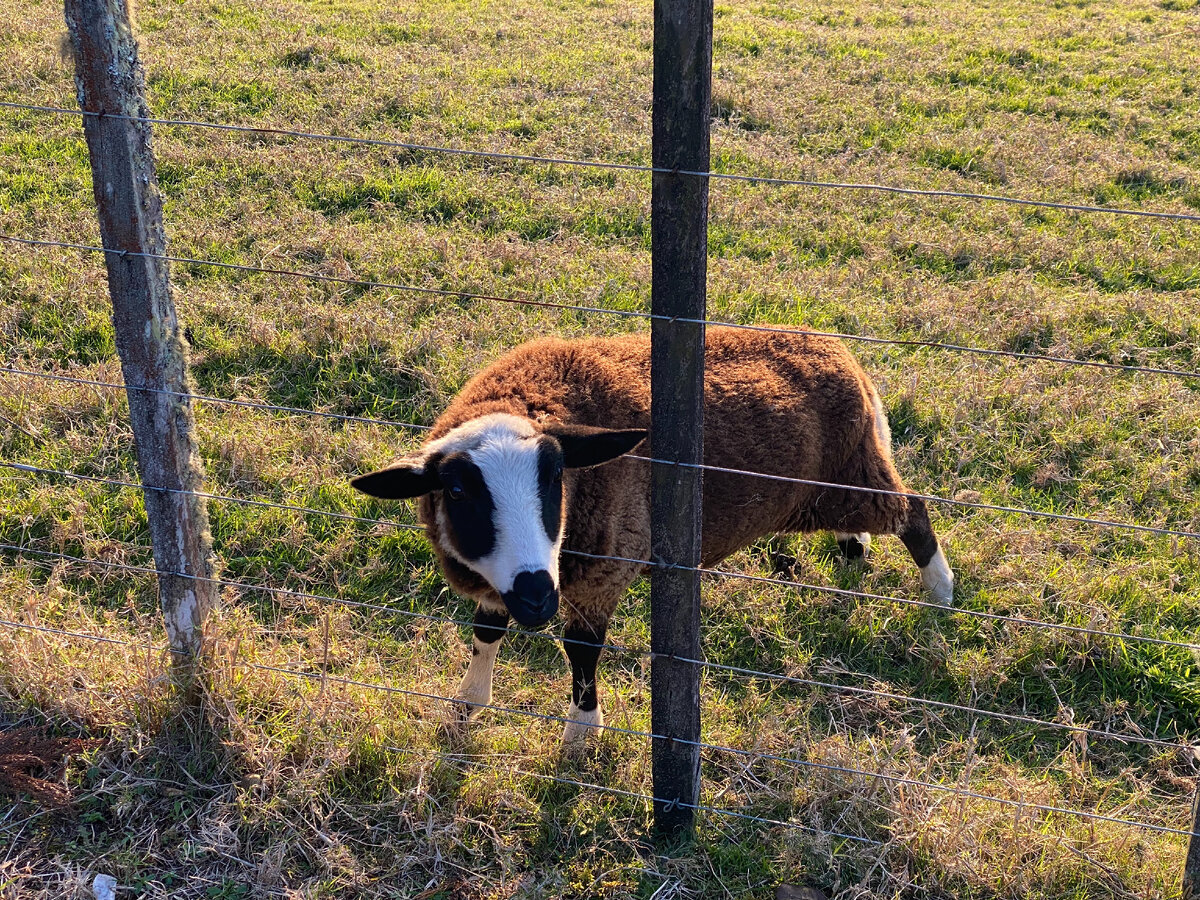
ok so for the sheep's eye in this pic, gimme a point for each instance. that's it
(456, 493)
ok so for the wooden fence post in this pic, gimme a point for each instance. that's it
(110, 83)
(1191, 863)
(679, 246)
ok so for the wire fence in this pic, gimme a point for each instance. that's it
(648, 654)
(648, 563)
(724, 470)
(815, 768)
(620, 313)
(262, 130)
(755, 755)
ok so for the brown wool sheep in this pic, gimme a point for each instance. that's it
(511, 476)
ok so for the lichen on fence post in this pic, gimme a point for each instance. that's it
(110, 85)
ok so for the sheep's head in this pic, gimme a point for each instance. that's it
(496, 487)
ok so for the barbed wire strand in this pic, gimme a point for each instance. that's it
(807, 682)
(756, 755)
(721, 573)
(611, 166)
(323, 598)
(931, 498)
(620, 313)
(725, 470)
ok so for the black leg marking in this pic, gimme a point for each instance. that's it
(489, 626)
(917, 534)
(852, 548)
(583, 650)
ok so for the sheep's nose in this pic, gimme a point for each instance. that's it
(533, 600)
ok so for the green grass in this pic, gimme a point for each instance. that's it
(336, 791)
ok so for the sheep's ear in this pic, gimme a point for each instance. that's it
(403, 481)
(585, 446)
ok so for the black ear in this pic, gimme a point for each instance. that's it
(402, 481)
(585, 446)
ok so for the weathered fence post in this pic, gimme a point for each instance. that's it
(1191, 863)
(110, 84)
(679, 244)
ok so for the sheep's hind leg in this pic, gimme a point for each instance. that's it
(854, 547)
(582, 644)
(476, 687)
(917, 535)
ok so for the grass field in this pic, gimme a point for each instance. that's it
(313, 790)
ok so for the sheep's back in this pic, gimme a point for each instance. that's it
(789, 404)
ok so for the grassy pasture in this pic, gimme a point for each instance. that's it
(311, 790)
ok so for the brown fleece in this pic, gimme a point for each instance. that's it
(797, 405)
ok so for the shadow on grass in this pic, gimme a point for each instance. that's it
(184, 760)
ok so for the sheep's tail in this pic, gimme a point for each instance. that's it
(882, 429)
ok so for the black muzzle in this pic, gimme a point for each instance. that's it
(533, 600)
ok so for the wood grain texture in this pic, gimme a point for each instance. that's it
(109, 79)
(679, 243)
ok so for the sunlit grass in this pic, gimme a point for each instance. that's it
(308, 785)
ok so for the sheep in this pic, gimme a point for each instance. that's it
(530, 459)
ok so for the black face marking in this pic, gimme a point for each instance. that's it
(401, 482)
(533, 601)
(921, 543)
(550, 469)
(468, 505)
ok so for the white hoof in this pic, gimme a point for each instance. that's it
(938, 579)
(474, 696)
(582, 724)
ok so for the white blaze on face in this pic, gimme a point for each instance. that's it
(505, 449)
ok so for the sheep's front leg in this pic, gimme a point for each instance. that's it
(582, 644)
(917, 535)
(476, 688)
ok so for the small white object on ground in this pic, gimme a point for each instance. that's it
(104, 887)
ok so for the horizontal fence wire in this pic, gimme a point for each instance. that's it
(341, 601)
(720, 573)
(475, 761)
(819, 768)
(648, 654)
(787, 479)
(932, 498)
(620, 313)
(452, 757)
(738, 751)
(611, 166)
(928, 604)
(208, 398)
